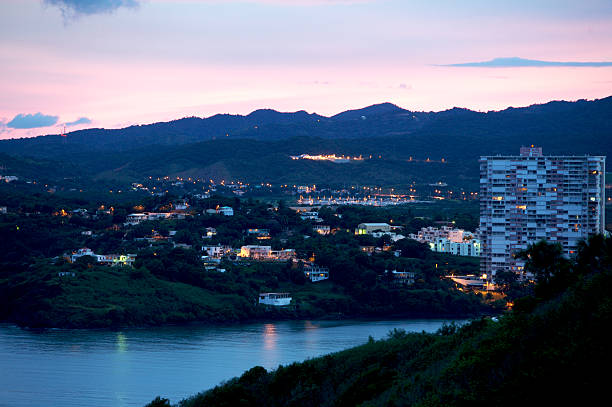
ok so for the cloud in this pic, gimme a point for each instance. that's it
(31, 121)
(75, 8)
(82, 120)
(522, 62)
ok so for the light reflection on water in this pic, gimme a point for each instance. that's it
(132, 366)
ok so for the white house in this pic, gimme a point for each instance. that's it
(104, 259)
(311, 215)
(225, 210)
(217, 251)
(316, 273)
(276, 299)
(464, 248)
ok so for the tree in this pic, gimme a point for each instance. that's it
(547, 263)
(412, 248)
(159, 402)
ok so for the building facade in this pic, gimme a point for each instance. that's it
(530, 197)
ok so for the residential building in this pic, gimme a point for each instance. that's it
(116, 259)
(225, 210)
(402, 277)
(136, 218)
(284, 254)
(210, 232)
(449, 240)
(217, 251)
(530, 197)
(259, 233)
(104, 259)
(469, 247)
(311, 215)
(275, 299)
(369, 228)
(316, 273)
(256, 252)
(322, 229)
(181, 205)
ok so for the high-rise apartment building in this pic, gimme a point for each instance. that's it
(530, 197)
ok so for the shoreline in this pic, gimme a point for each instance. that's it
(250, 321)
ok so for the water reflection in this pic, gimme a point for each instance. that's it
(121, 342)
(270, 336)
(132, 366)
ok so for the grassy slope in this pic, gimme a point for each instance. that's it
(556, 354)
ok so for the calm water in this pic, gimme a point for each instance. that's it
(130, 367)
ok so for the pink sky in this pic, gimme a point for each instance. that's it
(168, 59)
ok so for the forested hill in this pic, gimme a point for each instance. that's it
(551, 350)
(257, 147)
(577, 127)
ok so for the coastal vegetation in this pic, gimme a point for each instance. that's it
(551, 349)
(168, 283)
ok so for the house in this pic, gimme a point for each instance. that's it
(181, 205)
(260, 233)
(316, 273)
(255, 252)
(275, 299)
(449, 240)
(465, 248)
(116, 259)
(210, 232)
(135, 218)
(284, 254)
(322, 229)
(370, 228)
(472, 282)
(80, 253)
(212, 265)
(311, 215)
(402, 277)
(217, 251)
(103, 259)
(225, 210)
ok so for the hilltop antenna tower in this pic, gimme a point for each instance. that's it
(64, 136)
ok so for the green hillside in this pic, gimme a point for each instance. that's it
(551, 350)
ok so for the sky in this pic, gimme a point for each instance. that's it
(115, 63)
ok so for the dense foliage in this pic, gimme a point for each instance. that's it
(551, 350)
(169, 283)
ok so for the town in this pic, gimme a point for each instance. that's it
(276, 245)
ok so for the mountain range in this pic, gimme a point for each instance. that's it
(256, 147)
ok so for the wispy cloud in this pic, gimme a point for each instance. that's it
(82, 120)
(31, 121)
(522, 62)
(75, 8)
